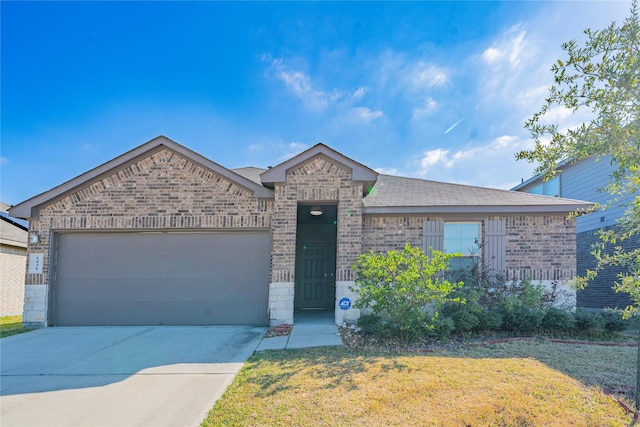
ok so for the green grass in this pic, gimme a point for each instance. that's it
(509, 384)
(11, 325)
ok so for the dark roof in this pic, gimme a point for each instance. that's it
(389, 194)
(392, 194)
(252, 173)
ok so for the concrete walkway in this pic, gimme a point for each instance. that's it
(309, 330)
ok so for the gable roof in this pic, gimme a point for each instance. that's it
(392, 194)
(30, 208)
(251, 173)
(388, 194)
(359, 172)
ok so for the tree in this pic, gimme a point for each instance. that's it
(601, 79)
(399, 287)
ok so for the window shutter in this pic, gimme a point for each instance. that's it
(495, 245)
(432, 236)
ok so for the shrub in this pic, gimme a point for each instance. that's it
(613, 321)
(371, 324)
(588, 321)
(404, 288)
(489, 320)
(464, 321)
(519, 318)
(558, 320)
(442, 328)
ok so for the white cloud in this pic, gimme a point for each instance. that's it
(492, 55)
(437, 157)
(301, 85)
(364, 114)
(419, 113)
(292, 149)
(491, 164)
(359, 93)
(511, 46)
(425, 76)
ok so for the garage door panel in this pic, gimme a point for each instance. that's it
(147, 313)
(150, 290)
(162, 278)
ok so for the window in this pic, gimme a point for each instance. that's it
(462, 238)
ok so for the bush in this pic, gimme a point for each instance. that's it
(613, 321)
(464, 321)
(588, 321)
(519, 318)
(442, 328)
(558, 320)
(373, 325)
(404, 289)
(489, 320)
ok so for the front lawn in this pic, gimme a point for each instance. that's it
(507, 384)
(11, 325)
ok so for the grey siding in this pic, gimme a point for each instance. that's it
(495, 245)
(583, 181)
(599, 293)
(433, 236)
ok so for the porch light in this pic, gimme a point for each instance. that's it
(316, 211)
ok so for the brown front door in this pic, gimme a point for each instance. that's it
(315, 277)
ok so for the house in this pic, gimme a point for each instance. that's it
(585, 180)
(164, 236)
(13, 262)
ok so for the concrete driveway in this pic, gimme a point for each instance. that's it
(119, 376)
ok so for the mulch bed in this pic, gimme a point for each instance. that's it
(280, 330)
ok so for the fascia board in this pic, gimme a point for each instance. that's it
(564, 209)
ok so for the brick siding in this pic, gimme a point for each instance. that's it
(161, 191)
(13, 261)
(541, 247)
(317, 180)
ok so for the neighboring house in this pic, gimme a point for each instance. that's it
(585, 180)
(13, 261)
(163, 236)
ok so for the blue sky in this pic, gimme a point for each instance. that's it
(434, 90)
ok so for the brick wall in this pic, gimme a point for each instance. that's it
(319, 179)
(386, 233)
(538, 246)
(541, 247)
(13, 261)
(161, 191)
(599, 293)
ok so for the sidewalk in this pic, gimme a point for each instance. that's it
(309, 330)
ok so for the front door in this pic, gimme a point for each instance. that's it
(315, 277)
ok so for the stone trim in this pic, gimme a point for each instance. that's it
(280, 308)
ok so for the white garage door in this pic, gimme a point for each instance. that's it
(163, 278)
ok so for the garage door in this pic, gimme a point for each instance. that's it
(166, 278)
